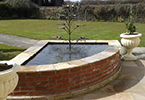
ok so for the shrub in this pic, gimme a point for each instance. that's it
(48, 12)
(120, 19)
(22, 8)
(113, 20)
(122, 10)
(3, 10)
(103, 20)
(130, 23)
(96, 20)
(51, 18)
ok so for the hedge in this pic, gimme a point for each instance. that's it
(107, 12)
(102, 12)
(3, 10)
(18, 9)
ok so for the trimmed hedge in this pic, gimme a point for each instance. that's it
(104, 12)
(3, 10)
(107, 12)
(18, 9)
(110, 12)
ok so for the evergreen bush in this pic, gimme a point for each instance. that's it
(22, 8)
(3, 10)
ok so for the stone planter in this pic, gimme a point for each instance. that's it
(122, 50)
(8, 80)
(130, 42)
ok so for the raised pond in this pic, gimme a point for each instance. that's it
(65, 79)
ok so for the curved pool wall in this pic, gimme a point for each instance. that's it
(67, 79)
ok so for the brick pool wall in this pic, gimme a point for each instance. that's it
(35, 83)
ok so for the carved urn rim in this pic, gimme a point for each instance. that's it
(127, 35)
(10, 71)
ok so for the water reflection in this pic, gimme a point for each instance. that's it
(55, 53)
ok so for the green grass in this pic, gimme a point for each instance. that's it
(9, 52)
(45, 29)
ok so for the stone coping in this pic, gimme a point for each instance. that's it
(113, 48)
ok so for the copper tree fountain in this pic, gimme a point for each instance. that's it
(69, 17)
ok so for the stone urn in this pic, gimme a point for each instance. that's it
(8, 78)
(130, 41)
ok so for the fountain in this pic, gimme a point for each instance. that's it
(67, 78)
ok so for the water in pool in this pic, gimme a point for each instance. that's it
(55, 53)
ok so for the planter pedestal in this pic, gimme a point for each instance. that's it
(8, 80)
(129, 55)
(130, 42)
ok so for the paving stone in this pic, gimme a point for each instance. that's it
(108, 89)
(142, 81)
(133, 70)
(140, 62)
(122, 85)
(143, 62)
(129, 64)
(119, 96)
(136, 89)
(75, 98)
(98, 94)
(127, 77)
(140, 76)
(138, 96)
(89, 96)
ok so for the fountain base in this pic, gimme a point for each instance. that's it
(66, 79)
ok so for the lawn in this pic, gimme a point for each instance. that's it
(9, 52)
(45, 29)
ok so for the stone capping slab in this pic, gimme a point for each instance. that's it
(27, 54)
(113, 48)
